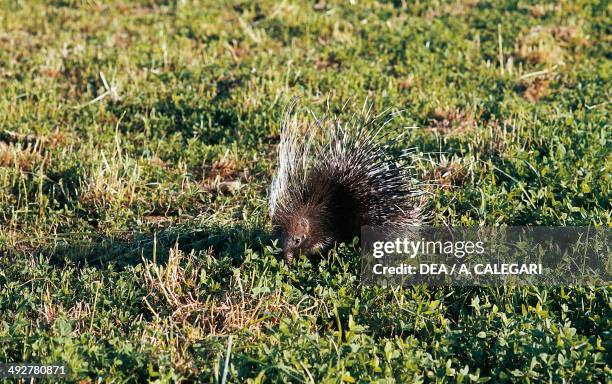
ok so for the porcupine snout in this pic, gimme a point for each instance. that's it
(295, 237)
(291, 245)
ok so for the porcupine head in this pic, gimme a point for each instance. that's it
(332, 179)
(323, 213)
(301, 232)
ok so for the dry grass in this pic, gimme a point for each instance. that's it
(453, 121)
(158, 221)
(113, 182)
(224, 168)
(456, 8)
(29, 151)
(24, 158)
(538, 46)
(495, 137)
(541, 10)
(174, 293)
(448, 173)
(53, 139)
(224, 177)
(549, 45)
(534, 88)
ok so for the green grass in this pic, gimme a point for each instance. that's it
(124, 255)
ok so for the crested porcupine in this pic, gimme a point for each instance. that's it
(334, 177)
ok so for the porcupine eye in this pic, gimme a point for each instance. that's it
(298, 240)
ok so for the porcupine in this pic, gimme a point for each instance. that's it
(334, 177)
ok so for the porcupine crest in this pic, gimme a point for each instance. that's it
(334, 177)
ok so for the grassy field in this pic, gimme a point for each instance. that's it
(137, 143)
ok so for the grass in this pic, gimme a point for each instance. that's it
(137, 142)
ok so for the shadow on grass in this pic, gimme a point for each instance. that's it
(130, 248)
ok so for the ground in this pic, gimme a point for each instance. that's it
(137, 143)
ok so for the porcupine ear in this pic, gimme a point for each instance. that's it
(296, 138)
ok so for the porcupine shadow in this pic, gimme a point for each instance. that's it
(129, 248)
